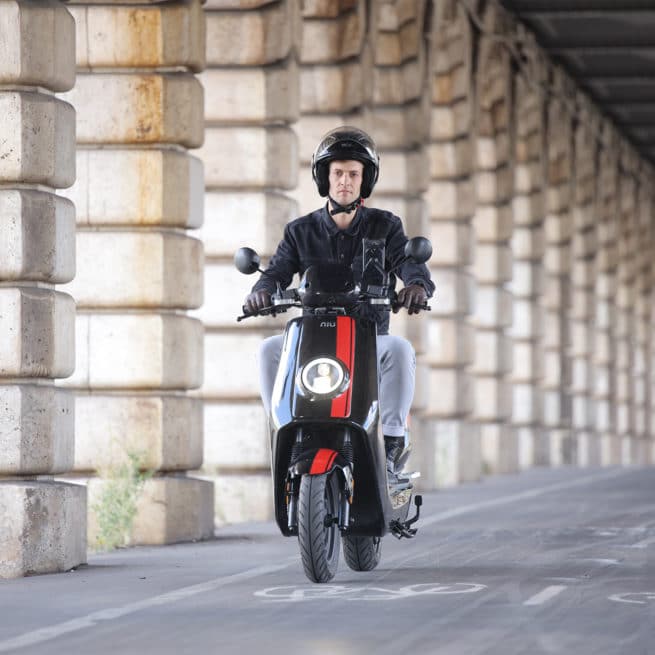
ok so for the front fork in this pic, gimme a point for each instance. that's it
(344, 466)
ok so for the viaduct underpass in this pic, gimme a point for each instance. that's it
(143, 142)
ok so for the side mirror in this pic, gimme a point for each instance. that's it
(418, 249)
(247, 261)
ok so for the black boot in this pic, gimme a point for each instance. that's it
(393, 448)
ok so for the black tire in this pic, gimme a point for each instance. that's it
(362, 553)
(318, 504)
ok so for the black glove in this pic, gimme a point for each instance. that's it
(414, 294)
(256, 301)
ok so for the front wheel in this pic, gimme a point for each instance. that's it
(318, 530)
(362, 553)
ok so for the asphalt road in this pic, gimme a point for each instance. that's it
(548, 561)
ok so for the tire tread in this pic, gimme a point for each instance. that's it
(312, 511)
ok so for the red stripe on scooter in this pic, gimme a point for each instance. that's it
(322, 461)
(346, 353)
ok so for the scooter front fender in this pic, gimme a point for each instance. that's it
(315, 462)
(319, 461)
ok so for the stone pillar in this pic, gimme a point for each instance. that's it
(336, 80)
(605, 300)
(557, 297)
(450, 451)
(400, 122)
(138, 193)
(625, 300)
(42, 522)
(584, 245)
(647, 313)
(251, 161)
(643, 328)
(492, 268)
(527, 284)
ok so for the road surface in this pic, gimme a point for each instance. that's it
(547, 561)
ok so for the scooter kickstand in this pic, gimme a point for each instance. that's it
(400, 530)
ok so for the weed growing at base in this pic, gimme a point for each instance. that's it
(116, 506)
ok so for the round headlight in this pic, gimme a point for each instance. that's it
(323, 376)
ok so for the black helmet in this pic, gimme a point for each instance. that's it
(341, 144)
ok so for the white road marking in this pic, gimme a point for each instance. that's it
(545, 595)
(294, 594)
(524, 495)
(59, 629)
(625, 598)
(598, 560)
(645, 543)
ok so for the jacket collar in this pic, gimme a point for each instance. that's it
(331, 226)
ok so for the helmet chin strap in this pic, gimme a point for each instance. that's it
(343, 209)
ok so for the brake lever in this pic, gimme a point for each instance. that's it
(271, 310)
(396, 306)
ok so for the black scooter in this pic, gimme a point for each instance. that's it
(328, 456)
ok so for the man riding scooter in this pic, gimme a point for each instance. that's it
(345, 168)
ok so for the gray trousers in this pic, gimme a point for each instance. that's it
(396, 368)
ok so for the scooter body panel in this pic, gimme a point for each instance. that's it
(322, 423)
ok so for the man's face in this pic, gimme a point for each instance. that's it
(345, 179)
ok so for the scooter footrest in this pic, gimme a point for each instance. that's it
(400, 485)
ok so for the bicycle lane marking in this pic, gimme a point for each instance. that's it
(58, 629)
(294, 594)
(634, 597)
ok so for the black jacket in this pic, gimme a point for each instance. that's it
(316, 238)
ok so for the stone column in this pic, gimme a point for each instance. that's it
(251, 161)
(450, 452)
(584, 245)
(492, 268)
(336, 80)
(400, 122)
(42, 522)
(625, 300)
(643, 328)
(605, 300)
(557, 297)
(647, 313)
(139, 192)
(527, 284)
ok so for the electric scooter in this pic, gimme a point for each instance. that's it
(328, 460)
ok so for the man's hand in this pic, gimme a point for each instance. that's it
(256, 301)
(414, 294)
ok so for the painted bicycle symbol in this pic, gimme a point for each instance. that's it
(634, 598)
(291, 594)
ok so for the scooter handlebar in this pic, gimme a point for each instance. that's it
(288, 299)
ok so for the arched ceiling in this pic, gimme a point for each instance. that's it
(608, 46)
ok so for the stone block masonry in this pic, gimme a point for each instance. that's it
(252, 91)
(42, 521)
(140, 109)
